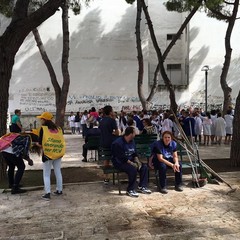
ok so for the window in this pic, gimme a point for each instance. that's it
(173, 66)
(171, 36)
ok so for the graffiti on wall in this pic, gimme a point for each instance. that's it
(39, 99)
(43, 99)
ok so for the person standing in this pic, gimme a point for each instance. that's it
(229, 126)
(71, 122)
(14, 148)
(122, 121)
(84, 123)
(77, 122)
(220, 128)
(124, 158)
(109, 131)
(198, 127)
(189, 126)
(167, 124)
(16, 125)
(213, 115)
(207, 130)
(52, 142)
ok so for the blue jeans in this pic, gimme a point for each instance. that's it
(47, 166)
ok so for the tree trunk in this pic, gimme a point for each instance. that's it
(235, 150)
(11, 40)
(60, 93)
(62, 100)
(161, 57)
(140, 56)
(223, 78)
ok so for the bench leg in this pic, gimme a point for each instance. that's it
(119, 184)
(157, 179)
(113, 178)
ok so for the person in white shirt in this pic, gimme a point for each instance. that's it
(167, 124)
(71, 122)
(229, 126)
(220, 128)
(198, 127)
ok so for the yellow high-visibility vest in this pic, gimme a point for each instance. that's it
(53, 144)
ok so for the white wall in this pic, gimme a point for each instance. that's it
(103, 64)
(207, 48)
(103, 59)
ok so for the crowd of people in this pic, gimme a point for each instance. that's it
(205, 128)
(117, 131)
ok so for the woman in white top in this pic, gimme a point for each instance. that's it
(207, 122)
(71, 121)
(229, 125)
(213, 115)
(220, 128)
(198, 127)
(167, 124)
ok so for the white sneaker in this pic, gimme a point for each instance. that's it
(132, 193)
(144, 190)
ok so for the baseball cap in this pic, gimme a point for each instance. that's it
(46, 116)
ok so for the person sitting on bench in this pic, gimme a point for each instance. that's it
(93, 131)
(124, 158)
(164, 155)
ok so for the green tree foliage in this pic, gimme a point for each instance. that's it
(186, 5)
(6, 7)
(130, 1)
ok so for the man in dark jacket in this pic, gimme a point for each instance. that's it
(124, 157)
(93, 131)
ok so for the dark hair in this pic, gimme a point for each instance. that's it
(147, 121)
(128, 131)
(93, 109)
(167, 132)
(51, 125)
(130, 121)
(213, 112)
(107, 110)
(17, 111)
(208, 115)
(229, 111)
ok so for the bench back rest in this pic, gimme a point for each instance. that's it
(181, 151)
(143, 144)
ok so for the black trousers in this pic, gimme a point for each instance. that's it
(12, 162)
(84, 150)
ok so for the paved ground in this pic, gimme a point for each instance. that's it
(95, 211)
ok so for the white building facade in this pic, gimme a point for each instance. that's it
(103, 59)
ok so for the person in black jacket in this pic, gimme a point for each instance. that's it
(124, 157)
(92, 131)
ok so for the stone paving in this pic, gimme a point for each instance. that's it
(97, 211)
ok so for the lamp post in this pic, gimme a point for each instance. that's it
(205, 69)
